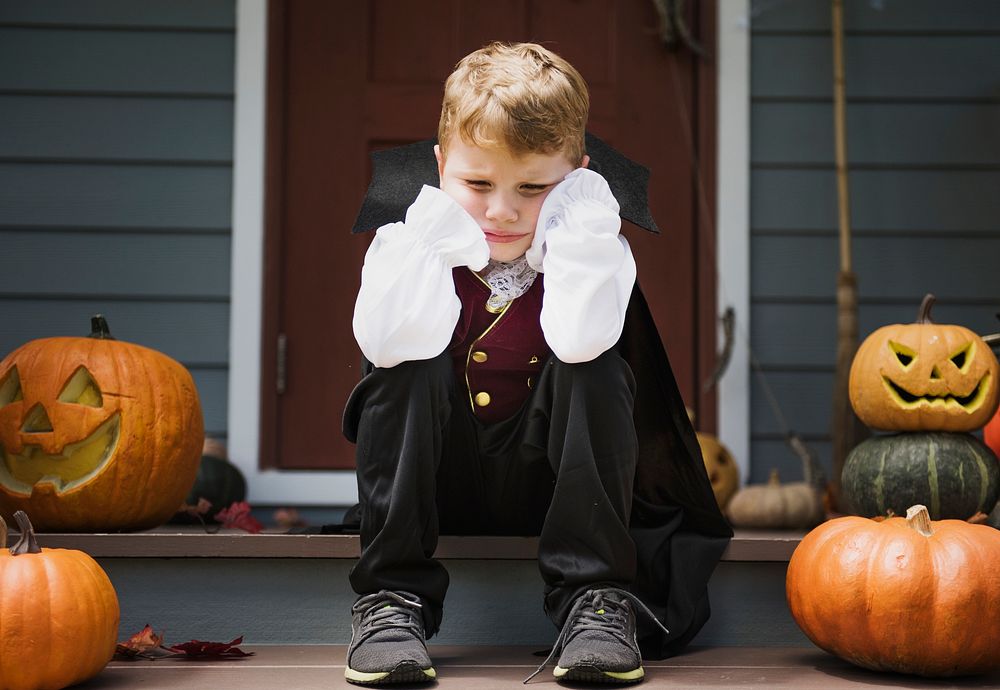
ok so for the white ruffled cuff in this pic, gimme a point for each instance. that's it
(407, 307)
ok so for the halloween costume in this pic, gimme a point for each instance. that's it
(632, 506)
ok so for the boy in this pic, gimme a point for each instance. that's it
(501, 402)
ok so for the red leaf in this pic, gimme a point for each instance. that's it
(238, 515)
(196, 649)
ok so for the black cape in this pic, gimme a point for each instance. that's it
(678, 529)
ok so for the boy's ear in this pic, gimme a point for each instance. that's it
(585, 162)
(440, 159)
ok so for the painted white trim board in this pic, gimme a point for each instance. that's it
(339, 487)
(733, 214)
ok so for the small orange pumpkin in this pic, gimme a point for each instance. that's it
(96, 434)
(58, 615)
(924, 377)
(907, 595)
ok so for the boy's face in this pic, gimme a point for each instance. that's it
(503, 193)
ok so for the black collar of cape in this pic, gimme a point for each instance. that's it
(399, 173)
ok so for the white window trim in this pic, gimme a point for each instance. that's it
(268, 486)
(733, 214)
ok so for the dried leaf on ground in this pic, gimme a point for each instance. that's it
(287, 518)
(197, 649)
(145, 644)
(202, 508)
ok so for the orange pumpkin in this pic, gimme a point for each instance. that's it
(722, 470)
(991, 434)
(96, 434)
(58, 615)
(924, 376)
(907, 595)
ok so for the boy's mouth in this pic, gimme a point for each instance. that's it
(502, 238)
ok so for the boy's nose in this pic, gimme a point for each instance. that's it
(501, 210)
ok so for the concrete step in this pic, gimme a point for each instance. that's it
(493, 668)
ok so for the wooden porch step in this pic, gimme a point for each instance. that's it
(281, 589)
(481, 668)
(192, 542)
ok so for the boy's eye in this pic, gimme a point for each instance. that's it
(534, 187)
(478, 184)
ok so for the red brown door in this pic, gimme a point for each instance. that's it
(347, 78)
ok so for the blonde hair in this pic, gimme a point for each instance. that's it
(520, 96)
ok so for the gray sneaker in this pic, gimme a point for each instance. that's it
(387, 641)
(597, 643)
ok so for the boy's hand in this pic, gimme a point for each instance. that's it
(582, 196)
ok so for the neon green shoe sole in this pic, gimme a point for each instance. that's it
(592, 674)
(404, 673)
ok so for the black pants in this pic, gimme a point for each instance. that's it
(561, 468)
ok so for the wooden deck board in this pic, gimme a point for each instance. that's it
(482, 668)
(174, 542)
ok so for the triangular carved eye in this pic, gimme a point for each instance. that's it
(82, 390)
(10, 388)
(904, 354)
(962, 358)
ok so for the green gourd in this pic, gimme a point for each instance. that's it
(953, 474)
(220, 482)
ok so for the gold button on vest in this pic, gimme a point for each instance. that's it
(482, 399)
(533, 360)
(479, 356)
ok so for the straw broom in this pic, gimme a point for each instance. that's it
(846, 430)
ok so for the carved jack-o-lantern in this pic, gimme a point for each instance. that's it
(721, 468)
(924, 376)
(96, 434)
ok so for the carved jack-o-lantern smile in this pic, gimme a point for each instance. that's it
(924, 376)
(933, 386)
(96, 434)
(66, 467)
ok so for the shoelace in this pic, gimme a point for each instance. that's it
(381, 614)
(580, 619)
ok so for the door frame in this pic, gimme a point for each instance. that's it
(338, 487)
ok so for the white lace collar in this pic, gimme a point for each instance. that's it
(507, 281)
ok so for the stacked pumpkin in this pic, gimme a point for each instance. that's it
(929, 385)
(913, 595)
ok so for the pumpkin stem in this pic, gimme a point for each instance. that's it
(3, 533)
(919, 520)
(99, 328)
(27, 543)
(774, 479)
(924, 314)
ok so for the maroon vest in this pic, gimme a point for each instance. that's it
(497, 356)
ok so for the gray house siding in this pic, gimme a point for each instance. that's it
(116, 127)
(116, 121)
(923, 88)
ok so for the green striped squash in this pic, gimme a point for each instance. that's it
(953, 474)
